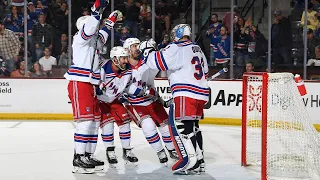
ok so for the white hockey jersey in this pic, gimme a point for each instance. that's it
(187, 69)
(114, 82)
(142, 76)
(83, 49)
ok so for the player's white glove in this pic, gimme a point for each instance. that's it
(145, 47)
(99, 6)
(114, 17)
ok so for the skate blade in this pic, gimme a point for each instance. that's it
(187, 172)
(164, 164)
(78, 170)
(114, 166)
(99, 168)
(128, 163)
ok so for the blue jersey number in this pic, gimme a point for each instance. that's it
(198, 67)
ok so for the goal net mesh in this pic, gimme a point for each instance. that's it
(292, 141)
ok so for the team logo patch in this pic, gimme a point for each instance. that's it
(88, 109)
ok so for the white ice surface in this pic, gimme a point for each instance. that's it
(38, 150)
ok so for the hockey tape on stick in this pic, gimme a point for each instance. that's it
(224, 70)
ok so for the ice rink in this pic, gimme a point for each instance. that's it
(43, 150)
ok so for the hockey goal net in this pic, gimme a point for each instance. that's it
(278, 138)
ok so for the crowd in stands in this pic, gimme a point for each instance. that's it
(251, 46)
(47, 37)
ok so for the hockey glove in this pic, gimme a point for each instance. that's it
(99, 6)
(123, 98)
(114, 17)
(99, 92)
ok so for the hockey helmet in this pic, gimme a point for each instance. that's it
(179, 31)
(81, 21)
(116, 53)
(129, 42)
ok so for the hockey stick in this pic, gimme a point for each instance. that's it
(96, 43)
(135, 113)
(224, 70)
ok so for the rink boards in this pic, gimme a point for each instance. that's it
(41, 99)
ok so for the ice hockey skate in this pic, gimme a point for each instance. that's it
(129, 157)
(202, 165)
(163, 157)
(173, 155)
(111, 156)
(81, 165)
(99, 165)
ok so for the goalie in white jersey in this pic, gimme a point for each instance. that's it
(147, 112)
(187, 69)
(115, 76)
(83, 75)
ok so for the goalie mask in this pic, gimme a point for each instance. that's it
(116, 55)
(145, 47)
(179, 31)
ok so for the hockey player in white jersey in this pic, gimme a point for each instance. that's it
(187, 69)
(151, 114)
(83, 75)
(115, 76)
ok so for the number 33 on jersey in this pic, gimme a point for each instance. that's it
(187, 69)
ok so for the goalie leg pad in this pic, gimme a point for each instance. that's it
(184, 141)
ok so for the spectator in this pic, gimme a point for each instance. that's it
(3, 69)
(258, 45)
(60, 19)
(85, 12)
(164, 42)
(37, 71)
(123, 35)
(41, 7)
(144, 9)
(164, 15)
(221, 46)
(47, 61)
(57, 5)
(147, 24)
(20, 72)
(33, 16)
(132, 15)
(242, 39)
(214, 27)
(13, 21)
(249, 67)
(60, 46)
(9, 47)
(42, 35)
(315, 61)
(312, 43)
(227, 17)
(313, 21)
(64, 58)
(281, 38)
